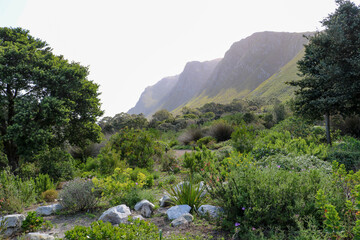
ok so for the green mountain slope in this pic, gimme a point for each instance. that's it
(275, 87)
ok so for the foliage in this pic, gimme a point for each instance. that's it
(207, 141)
(243, 138)
(264, 197)
(296, 126)
(43, 183)
(221, 131)
(57, 163)
(106, 161)
(79, 195)
(149, 178)
(136, 230)
(50, 195)
(169, 162)
(192, 134)
(15, 193)
(330, 67)
(295, 163)
(116, 187)
(136, 147)
(33, 223)
(114, 124)
(135, 195)
(195, 161)
(45, 100)
(188, 193)
(347, 153)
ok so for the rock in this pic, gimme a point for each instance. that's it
(146, 211)
(188, 217)
(38, 236)
(116, 215)
(142, 203)
(145, 207)
(165, 201)
(179, 221)
(49, 209)
(138, 217)
(213, 211)
(11, 224)
(177, 211)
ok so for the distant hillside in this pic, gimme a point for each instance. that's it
(152, 96)
(171, 92)
(275, 85)
(261, 63)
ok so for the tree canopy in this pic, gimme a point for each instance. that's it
(45, 101)
(330, 69)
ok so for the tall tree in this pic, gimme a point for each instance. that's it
(45, 101)
(330, 69)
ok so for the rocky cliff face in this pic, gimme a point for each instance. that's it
(153, 96)
(247, 64)
(252, 60)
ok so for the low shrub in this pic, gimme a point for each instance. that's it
(136, 230)
(221, 131)
(264, 197)
(191, 135)
(347, 153)
(195, 161)
(43, 183)
(15, 192)
(188, 193)
(33, 223)
(79, 195)
(49, 195)
(116, 187)
(207, 141)
(169, 162)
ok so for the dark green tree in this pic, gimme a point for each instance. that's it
(45, 101)
(330, 69)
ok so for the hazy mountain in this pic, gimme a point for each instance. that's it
(152, 97)
(246, 65)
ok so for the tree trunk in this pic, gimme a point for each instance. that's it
(11, 153)
(327, 126)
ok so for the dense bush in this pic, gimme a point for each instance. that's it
(79, 195)
(15, 193)
(207, 141)
(243, 138)
(118, 186)
(136, 147)
(296, 126)
(347, 153)
(264, 197)
(43, 183)
(221, 131)
(195, 161)
(33, 223)
(57, 163)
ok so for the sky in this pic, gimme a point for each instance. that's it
(131, 44)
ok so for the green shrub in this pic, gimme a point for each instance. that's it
(206, 141)
(43, 183)
(191, 135)
(264, 197)
(243, 138)
(347, 153)
(33, 223)
(188, 193)
(296, 126)
(135, 195)
(79, 195)
(292, 162)
(28, 170)
(116, 187)
(15, 192)
(149, 180)
(136, 147)
(221, 131)
(58, 164)
(49, 195)
(169, 162)
(137, 230)
(195, 161)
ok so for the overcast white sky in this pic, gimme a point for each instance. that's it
(132, 44)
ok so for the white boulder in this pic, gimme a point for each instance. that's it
(177, 211)
(116, 215)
